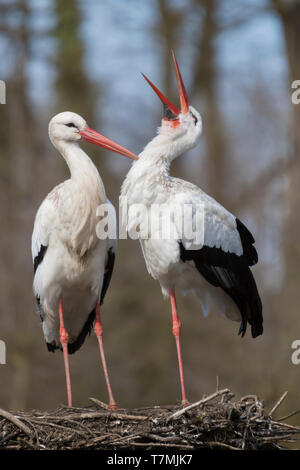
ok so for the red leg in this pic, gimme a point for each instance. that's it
(176, 333)
(64, 338)
(99, 332)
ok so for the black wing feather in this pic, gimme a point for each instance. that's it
(86, 330)
(39, 258)
(36, 262)
(109, 267)
(247, 243)
(232, 273)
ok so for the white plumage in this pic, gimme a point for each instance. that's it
(149, 183)
(71, 263)
(212, 261)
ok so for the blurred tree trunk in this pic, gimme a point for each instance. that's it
(19, 148)
(25, 164)
(75, 91)
(170, 22)
(289, 13)
(204, 82)
(205, 86)
(168, 30)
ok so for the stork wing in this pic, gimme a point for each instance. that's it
(41, 232)
(110, 258)
(109, 266)
(222, 254)
(40, 241)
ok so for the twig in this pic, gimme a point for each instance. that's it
(98, 414)
(288, 416)
(16, 421)
(164, 438)
(126, 438)
(289, 426)
(26, 443)
(249, 397)
(277, 404)
(160, 444)
(284, 437)
(221, 444)
(99, 403)
(59, 426)
(197, 403)
(95, 440)
(94, 428)
(8, 437)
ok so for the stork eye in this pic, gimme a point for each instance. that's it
(71, 124)
(195, 118)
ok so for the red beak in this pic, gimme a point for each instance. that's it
(98, 139)
(162, 97)
(184, 102)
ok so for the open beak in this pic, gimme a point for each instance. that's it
(184, 102)
(89, 135)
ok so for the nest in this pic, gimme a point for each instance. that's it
(214, 422)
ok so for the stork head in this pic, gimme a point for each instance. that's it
(70, 127)
(180, 127)
(66, 127)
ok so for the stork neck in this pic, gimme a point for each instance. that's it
(154, 164)
(156, 157)
(80, 165)
(165, 147)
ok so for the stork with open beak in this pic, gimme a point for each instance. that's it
(72, 266)
(214, 264)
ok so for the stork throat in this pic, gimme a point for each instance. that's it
(169, 115)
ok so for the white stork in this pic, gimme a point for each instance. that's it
(72, 266)
(216, 269)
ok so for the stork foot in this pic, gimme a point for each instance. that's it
(113, 406)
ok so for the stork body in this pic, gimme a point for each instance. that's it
(216, 269)
(215, 263)
(72, 265)
(222, 256)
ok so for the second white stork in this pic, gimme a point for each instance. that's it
(72, 266)
(215, 264)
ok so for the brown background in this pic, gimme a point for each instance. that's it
(238, 60)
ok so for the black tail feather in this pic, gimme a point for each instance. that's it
(232, 274)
